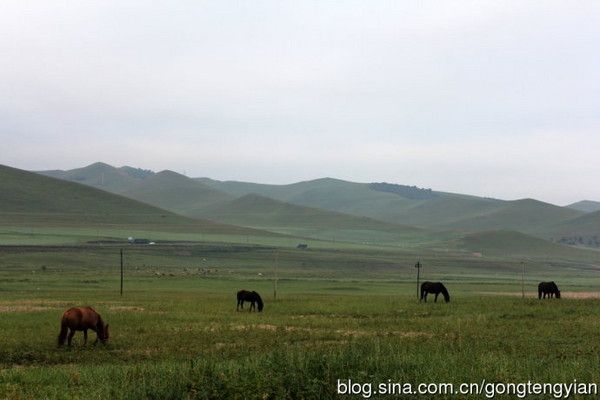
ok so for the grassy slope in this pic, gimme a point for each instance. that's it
(175, 192)
(527, 215)
(98, 175)
(166, 189)
(360, 199)
(29, 199)
(584, 225)
(265, 213)
(513, 244)
(253, 209)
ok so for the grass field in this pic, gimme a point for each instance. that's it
(342, 312)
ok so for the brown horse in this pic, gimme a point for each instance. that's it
(82, 319)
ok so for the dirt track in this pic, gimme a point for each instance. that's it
(565, 295)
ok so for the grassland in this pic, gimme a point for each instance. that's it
(340, 313)
(345, 308)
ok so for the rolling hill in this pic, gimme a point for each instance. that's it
(262, 212)
(515, 244)
(432, 210)
(315, 207)
(586, 206)
(581, 231)
(175, 192)
(28, 198)
(526, 215)
(165, 189)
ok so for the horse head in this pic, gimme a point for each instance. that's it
(104, 335)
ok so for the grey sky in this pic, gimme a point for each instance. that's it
(498, 99)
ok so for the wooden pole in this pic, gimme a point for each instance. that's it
(276, 275)
(121, 272)
(523, 279)
(418, 267)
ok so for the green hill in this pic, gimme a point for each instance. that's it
(581, 231)
(397, 205)
(166, 189)
(175, 192)
(427, 209)
(262, 212)
(586, 206)
(515, 244)
(527, 215)
(99, 175)
(30, 199)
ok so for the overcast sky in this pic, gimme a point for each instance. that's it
(498, 99)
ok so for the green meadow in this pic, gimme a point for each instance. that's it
(340, 312)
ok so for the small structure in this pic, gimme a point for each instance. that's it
(133, 240)
(302, 246)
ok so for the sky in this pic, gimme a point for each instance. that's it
(491, 98)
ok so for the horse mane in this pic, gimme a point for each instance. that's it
(259, 301)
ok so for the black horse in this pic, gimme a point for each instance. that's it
(435, 288)
(252, 297)
(548, 288)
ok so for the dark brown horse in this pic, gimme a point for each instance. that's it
(252, 297)
(548, 289)
(82, 319)
(435, 288)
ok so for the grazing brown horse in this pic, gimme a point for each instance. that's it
(435, 288)
(252, 297)
(82, 319)
(548, 288)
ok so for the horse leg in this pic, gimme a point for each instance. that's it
(85, 337)
(237, 308)
(436, 296)
(425, 297)
(251, 306)
(70, 338)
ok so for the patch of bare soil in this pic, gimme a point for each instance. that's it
(18, 309)
(565, 295)
(127, 308)
(32, 305)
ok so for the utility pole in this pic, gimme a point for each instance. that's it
(121, 272)
(276, 275)
(523, 279)
(418, 267)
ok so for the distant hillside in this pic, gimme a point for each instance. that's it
(586, 206)
(409, 192)
(101, 176)
(391, 203)
(503, 243)
(581, 231)
(166, 189)
(394, 204)
(175, 192)
(30, 198)
(525, 215)
(262, 212)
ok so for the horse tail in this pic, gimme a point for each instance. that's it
(62, 336)
(259, 301)
(445, 294)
